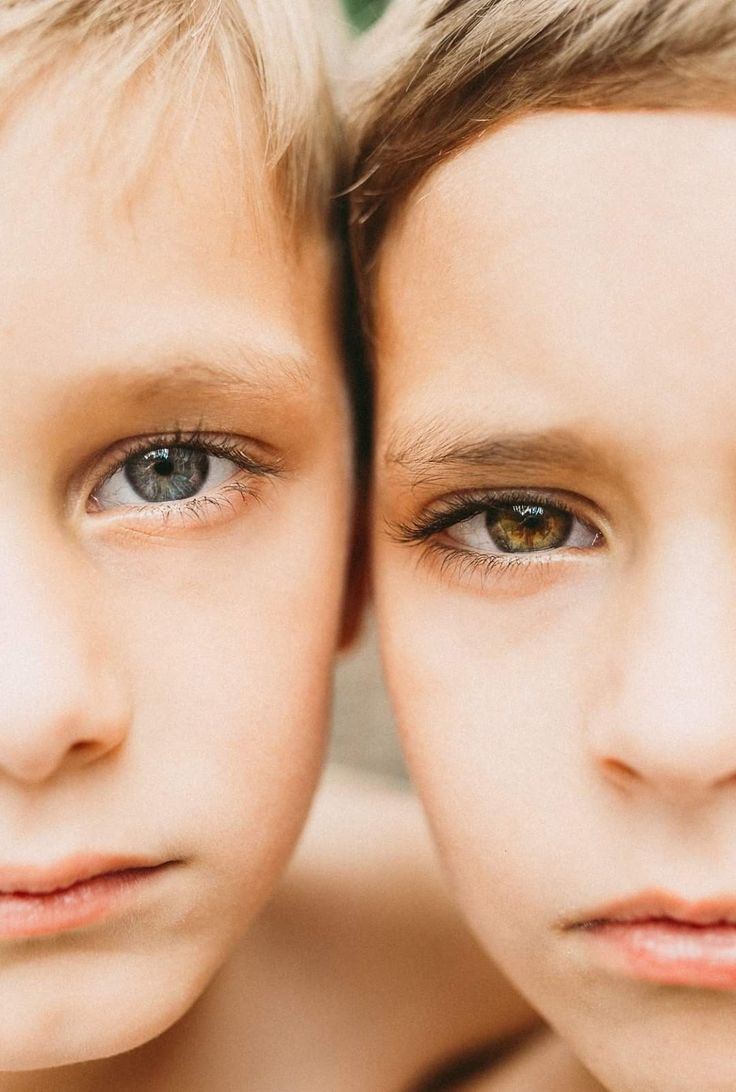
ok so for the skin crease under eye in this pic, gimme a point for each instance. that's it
(591, 754)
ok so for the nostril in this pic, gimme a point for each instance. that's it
(86, 750)
(82, 746)
(619, 772)
(728, 781)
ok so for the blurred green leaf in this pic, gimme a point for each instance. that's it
(364, 12)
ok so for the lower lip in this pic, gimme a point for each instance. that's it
(83, 904)
(669, 952)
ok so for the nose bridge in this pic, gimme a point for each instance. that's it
(666, 715)
(60, 696)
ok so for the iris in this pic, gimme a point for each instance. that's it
(168, 473)
(520, 528)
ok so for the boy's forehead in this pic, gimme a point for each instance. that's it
(585, 168)
(194, 158)
(553, 202)
(191, 249)
(565, 267)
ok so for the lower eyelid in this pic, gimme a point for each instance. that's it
(502, 576)
(435, 523)
(202, 512)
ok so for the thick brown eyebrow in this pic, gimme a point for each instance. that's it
(426, 451)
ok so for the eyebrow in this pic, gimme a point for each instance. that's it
(425, 450)
(225, 368)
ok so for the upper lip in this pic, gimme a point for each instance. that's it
(34, 879)
(659, 905)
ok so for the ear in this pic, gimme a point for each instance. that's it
(357, 589)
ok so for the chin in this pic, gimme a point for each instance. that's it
(72, 1035)
(110, 1006)
(69, 1045)
(662, 1063)
(665, 1077)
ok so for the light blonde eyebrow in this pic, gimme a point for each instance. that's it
(424, 451)
(228, 369)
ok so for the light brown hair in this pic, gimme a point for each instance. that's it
(436, 74)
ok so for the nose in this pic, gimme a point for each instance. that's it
(63, 702)
(664, 719)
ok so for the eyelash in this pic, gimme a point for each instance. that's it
(215, 444)
(452, 511)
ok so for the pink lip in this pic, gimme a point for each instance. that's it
(77, 892)
(657, 937)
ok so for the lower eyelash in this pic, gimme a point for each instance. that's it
(194, 507)
(465, 563)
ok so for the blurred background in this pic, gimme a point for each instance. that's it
(363, 733)
(363, 12)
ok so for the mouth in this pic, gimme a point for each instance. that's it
(73, 894)
(658, 937)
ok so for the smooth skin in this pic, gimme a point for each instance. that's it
(165, 666)
(145, 709)
(555, 317)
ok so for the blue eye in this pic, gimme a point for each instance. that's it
(165, 475)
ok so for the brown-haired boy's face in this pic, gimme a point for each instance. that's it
(175, 476)
(554, 568)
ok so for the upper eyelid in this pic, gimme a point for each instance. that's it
(224, 445)
(453, 509)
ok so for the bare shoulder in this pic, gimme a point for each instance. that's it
(541, 1064)
(362, 949)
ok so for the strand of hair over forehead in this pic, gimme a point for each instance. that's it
(434, 74)
(292, 47)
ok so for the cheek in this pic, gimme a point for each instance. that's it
(492, 698)
(229, 642)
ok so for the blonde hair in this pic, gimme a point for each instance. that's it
(102, 48)
(436, 74)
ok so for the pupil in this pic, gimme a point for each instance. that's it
(164, 468)
(168, 474)
(524, 528)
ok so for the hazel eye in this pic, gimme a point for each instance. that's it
(522, 529)
(164, 475)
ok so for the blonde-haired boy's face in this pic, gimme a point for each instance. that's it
(175, 479)
(554, 568)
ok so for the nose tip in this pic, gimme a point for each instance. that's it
(662, 697)
(34, 765)
(64, 699)
(71, 721)
(675, 738)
